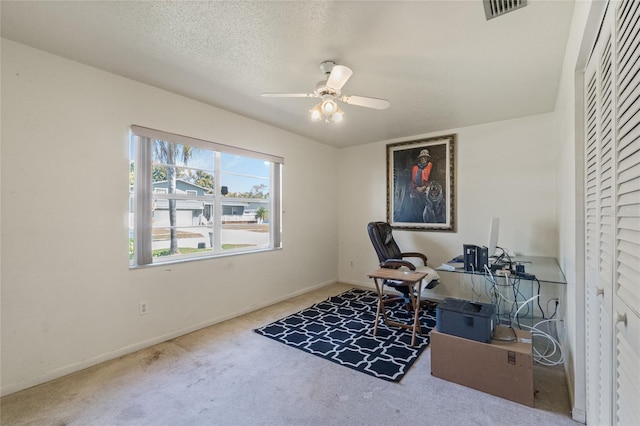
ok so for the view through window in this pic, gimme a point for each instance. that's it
(191, 198)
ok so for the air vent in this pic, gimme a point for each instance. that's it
(495, 8)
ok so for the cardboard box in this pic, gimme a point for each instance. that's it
(500, 368)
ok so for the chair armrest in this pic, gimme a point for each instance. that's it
(397, 263)
(418, 255)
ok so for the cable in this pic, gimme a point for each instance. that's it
(538, 281)
(515, 336)
(526, 302)
(553, 353)
(515, 302)
(473, 285)
(504, 253)
(529, 310)
(546, 358)
(498, 297)
(493, 293)
(546, 351)
(555, 311)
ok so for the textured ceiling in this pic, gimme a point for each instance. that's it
(441, 64)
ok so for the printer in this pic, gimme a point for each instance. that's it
(467, 319)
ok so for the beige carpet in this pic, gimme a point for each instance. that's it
(228, 375)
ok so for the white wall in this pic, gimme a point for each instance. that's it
(504, 169)
(69, 299)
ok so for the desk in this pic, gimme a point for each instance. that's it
(545, 269)
(408, 278)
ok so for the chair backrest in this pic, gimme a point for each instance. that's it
(383, 242)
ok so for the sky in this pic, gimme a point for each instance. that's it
(239, 173)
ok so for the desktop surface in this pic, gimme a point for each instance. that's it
(545, 269)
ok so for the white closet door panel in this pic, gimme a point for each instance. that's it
(627, 20)
(628, 237)
(627, 28)
(627, 329)
(591, 189)
(605, 370)
(594, 294)
(599, 228)
(592, 342)
(628, 156)
(612, 218)
(628, 148)
(627, 210)
(629, 91)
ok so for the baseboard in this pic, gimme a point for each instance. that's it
(579, 415)
(90, 362)
(362, 284)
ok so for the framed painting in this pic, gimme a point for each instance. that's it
(421, 184)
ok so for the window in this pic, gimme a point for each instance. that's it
(192, 198)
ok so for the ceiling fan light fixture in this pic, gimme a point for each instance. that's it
(327, 111)
(329, 92)
(316, 113)
(337, 116)
(328, 107)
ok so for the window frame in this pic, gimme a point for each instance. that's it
(143, 196)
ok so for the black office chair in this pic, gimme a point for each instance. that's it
(390, 256)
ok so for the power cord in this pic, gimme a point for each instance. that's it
(538, 281)
(547, 357)
(555, 310)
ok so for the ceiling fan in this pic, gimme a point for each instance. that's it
(329, 92)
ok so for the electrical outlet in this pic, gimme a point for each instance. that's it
(353, 264)
(143, 308)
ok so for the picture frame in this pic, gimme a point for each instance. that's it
(422, 196)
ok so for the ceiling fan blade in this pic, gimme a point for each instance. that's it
(289, 95)
(366, 102)
(338, 77)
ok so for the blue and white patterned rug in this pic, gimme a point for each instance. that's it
(340, 329)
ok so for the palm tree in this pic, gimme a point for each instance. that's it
(262, 214)
(167, 153)
(204, 180)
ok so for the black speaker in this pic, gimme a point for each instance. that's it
(482, 258)
(469, 254)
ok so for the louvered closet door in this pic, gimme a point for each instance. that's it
(592, 335)
(627, 202)
(599, 228)
(593, 296)
(612, 219)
